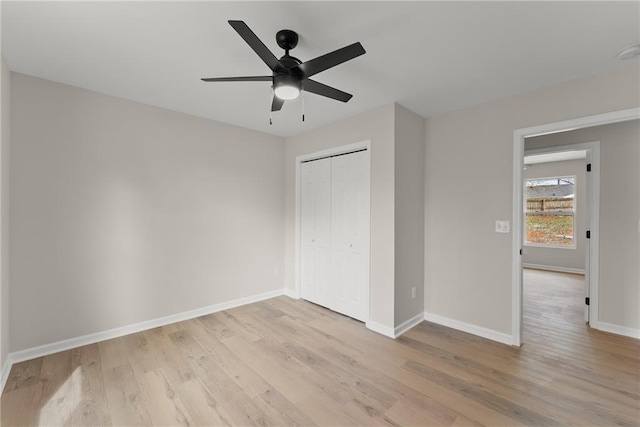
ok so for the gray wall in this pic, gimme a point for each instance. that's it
(619, 279)
(468, 186)
(377, 126)
(562, 258)
(5, 95)
(409, 214)
(123, 213)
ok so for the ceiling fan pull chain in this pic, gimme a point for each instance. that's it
(302, 95)
(270, 109)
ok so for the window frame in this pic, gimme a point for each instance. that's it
(572, 212)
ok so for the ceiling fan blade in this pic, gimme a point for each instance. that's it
(321, 63)
(256, 44)
(239, 79)
(324, 90)
(277, 103)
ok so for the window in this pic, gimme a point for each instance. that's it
(550, 211)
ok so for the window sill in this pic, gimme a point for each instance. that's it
(538, 245)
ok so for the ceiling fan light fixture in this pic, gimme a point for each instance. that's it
(286, 91)
(286, 86)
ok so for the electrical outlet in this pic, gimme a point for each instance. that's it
(413, 292)
(276, 271)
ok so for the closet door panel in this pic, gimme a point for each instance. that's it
(350, 234)
(316, 232)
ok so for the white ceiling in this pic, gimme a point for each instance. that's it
(431, 57)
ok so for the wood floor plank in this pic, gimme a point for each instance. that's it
(93, 407)
(243, 375)
(286, 378)
(290, 362)
(21, 406)
(411, 415)
(383, 376)
(281, 409)
(24, 374)
(162, 343)
(112, 353)
(365, 414)
(234, 404)
(163, 403)
(325, 412)
(477, 392)
(201, 405)
(504, 385)
(453, 399)
(124, 397)
(229, 325)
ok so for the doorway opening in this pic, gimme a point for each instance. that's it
(520, 135)
(559, 196)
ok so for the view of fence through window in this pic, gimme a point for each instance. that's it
(550, 207)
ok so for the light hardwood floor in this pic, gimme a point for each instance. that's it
(285, 362)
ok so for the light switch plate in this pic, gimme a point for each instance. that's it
(503, 226)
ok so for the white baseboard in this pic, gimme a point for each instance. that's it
(291, 294)
(617, 329)
(405, 326)
(469, 328)
(554, 268)
(43, 350)
(381, 329)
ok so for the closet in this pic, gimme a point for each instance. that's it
(335, 233)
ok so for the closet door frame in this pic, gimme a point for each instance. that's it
(343, 149)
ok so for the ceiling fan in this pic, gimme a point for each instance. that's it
(290, 76)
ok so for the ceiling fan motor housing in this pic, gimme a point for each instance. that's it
(286, 79)
(291, 75)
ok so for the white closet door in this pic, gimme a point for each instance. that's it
(316, 232)
(350, 234)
